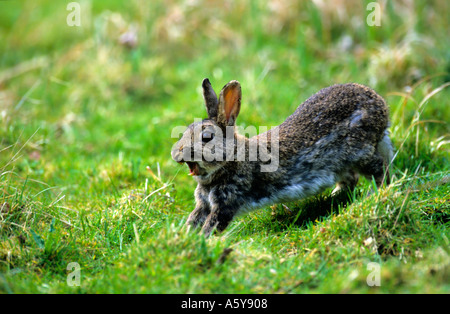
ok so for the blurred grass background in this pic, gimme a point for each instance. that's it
(84, 110)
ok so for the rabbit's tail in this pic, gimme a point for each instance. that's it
(385, 148)
(386, 151)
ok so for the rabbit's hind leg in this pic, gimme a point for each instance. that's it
(375, 167)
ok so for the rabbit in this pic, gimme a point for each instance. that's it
(333, 137)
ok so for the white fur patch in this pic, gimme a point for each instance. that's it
(295, 192)
(305, 189)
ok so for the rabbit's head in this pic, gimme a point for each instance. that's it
(203, 146)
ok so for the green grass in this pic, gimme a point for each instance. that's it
(85, 137)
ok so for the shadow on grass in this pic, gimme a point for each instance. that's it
(308, 211)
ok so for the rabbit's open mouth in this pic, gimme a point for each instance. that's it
(193, 168)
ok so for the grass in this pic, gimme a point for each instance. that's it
(85, 139)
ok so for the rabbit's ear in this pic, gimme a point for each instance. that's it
(210, 97)
(229, 103)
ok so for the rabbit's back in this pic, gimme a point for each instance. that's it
(351, 112)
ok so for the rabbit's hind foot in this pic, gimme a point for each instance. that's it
(346, 183)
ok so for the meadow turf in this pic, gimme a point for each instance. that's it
(86, 126)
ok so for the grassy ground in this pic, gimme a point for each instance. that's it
(85, 137)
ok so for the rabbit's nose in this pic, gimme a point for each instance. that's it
(178, 158)
(177, 155)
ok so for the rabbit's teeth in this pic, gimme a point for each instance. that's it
(193, 168)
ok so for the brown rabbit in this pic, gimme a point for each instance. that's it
(335, 135)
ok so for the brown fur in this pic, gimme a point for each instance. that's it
(332, 137)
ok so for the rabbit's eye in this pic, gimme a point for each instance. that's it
(207, 136)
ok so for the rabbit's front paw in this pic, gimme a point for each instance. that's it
(198, 216)
(217, 220)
